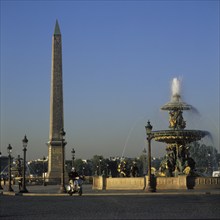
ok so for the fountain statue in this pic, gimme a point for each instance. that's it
(177, 160)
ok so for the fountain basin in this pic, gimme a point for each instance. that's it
(178, 136)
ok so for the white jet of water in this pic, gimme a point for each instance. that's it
(175, 89)
(176, 86)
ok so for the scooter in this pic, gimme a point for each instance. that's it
(75, 186)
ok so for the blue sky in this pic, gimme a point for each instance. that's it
(119, 58)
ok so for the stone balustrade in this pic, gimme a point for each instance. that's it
(162, 183)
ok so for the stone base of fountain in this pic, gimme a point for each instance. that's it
(162, 183)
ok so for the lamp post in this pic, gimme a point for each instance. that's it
(18, 164)
(100, 167)
(149, 127)
(96, 171)
(83, 171)
(25, 142)
(9, 168)
(107, 165)
(1, 170)
(44, 183)
(144, 162)
(19, 169)
(63, 143)
(73, 156)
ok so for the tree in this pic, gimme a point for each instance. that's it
(97, 164)
(78, 164)
(204, 156)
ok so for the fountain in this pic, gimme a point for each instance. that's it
(177, 138)
(177, 170)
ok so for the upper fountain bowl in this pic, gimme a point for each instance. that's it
(176, 104)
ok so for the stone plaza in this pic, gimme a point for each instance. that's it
(44, 202)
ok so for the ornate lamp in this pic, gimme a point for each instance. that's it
(62, 186)
(150, 135)
(73, 156)
(25, 143)
(9, 148)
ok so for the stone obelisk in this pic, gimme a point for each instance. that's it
(56, 147)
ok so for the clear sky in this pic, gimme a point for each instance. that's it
(119, 58)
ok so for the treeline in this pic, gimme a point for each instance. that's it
(99, 165)
(206, 158)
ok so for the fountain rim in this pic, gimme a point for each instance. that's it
(179, 130)
(178, 136)
(176, 105)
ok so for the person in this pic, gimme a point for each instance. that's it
(134, 170)
(73, 174)
(20, 183)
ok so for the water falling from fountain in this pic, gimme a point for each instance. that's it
(129, 134)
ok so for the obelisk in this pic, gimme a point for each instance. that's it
(56, 147)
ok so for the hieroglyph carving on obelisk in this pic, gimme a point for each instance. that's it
(56, 110)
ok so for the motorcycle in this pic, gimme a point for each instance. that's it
(75, 186)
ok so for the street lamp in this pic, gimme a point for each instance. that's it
(1, 170)
(9, 168)
(63, 143)
(96, 171)
(44, 183)
(83, 171)
(144, 162)
(18, 164)
(107, 165)
(149, 127)
(100, 167)
(73, 156)
(25, 142)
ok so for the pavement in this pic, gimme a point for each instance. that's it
(46, 203)
(53, 190)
